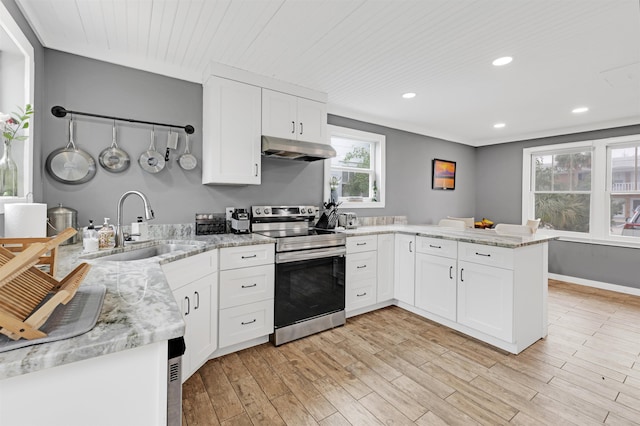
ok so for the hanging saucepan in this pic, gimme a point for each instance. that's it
(187, 161)
(70, 164)
(151, 160)
(114, 159)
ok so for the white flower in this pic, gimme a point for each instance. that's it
(4, 117)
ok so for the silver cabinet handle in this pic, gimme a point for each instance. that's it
(188, 306)
(256, 166)
(301, 128)
(450, 272)
(197, 295)
(248, 322)
(293, 127)
(250, 257)
(361, 267)
(249, 286)
(360, 295)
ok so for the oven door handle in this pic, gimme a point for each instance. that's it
(295, 256)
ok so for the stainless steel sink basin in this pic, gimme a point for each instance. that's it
(147, 252)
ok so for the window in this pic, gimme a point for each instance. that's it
(355, 176)
(16, 90)
(585, 190)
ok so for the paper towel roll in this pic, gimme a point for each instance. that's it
(25, 220)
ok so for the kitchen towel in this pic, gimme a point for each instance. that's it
(25, 220)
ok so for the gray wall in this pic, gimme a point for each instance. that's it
(83, 84)
(408, 170)
(499, 197)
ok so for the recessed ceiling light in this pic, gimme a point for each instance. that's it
(409, 95)
(502, 61)
(499, 125)
(580, 110)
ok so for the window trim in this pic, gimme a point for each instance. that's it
(600, 211)
(9, 25)
(379, 168)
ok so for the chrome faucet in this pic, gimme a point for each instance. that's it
(148, 214)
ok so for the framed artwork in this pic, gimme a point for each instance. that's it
(444, 174)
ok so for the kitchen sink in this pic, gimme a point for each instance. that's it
(147, 252)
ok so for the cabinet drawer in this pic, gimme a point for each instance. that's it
(187, 270)
(245, 322)
(243, 256)
(246, 285)
(363, 243)
(499, 257)
(437, 247)
(362, 265)
(361, 293)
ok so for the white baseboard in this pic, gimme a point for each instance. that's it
(596, 284)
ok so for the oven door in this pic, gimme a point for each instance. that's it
(308, 284)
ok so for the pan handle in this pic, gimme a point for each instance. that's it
(71, 143)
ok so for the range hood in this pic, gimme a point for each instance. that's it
(295, 150)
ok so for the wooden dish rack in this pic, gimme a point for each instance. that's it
(24, 287)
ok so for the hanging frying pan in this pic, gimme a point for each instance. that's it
(151, 160)
(187, 161)
(114, 159)
(70, 164)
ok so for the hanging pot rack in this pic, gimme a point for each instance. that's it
(60, 112)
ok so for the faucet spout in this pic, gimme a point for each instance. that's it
(148, 214)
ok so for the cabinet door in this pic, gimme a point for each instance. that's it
(436, 285)
(198, 302)
(385, 267)
(279, 114)
(312, 121)
(231, 132)
(485, 299)
(404, 274)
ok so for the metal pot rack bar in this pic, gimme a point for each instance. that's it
(60, 112)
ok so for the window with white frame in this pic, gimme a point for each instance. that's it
(585, 190)
(355, 176)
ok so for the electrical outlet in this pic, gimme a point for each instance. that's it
(229, 211)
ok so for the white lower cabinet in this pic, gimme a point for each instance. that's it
(386, 246)
(247, 277)
(404, 269)
(361, 279)
(485, 299)
(194, 282)
(436, 287)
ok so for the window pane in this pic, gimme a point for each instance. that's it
(351, 153)
(544, 172)
(624, 169)
(352, 184)
(563, 212)
(571, 172)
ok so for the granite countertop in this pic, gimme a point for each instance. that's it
(478, 236)
(139, 308)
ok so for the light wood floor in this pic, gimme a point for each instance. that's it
(393, 367)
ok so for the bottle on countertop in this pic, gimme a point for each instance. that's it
(106, 235)
(90, 239)
(140, 227)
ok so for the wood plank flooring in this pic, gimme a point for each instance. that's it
(393, 367)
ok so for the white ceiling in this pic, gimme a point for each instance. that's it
(365, 53)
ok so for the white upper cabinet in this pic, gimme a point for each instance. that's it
(292, 117)
(231, 141)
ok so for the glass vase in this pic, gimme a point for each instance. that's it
(8, 173)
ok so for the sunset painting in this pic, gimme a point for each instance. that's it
(444, 174)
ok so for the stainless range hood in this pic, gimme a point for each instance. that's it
(295, 150)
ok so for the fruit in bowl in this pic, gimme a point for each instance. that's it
(484, 223)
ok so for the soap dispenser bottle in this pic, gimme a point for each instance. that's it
(90, 240)
(106, 235)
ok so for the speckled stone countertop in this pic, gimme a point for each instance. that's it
(139, 308)
(487, 237)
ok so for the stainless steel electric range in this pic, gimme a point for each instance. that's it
(310, 270)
